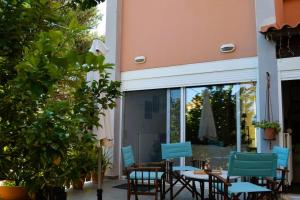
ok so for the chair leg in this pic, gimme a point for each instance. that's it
(164, 188)
(128, 189)
(156, 189)
(136, 190)
(161, 189)
(171, 186)
(194, 189)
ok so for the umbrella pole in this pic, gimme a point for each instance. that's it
(99, 186)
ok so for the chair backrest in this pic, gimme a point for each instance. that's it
(283, 156)
(128, 158)
(252, 164)
(176, 150)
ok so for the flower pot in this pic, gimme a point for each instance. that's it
(13, 193)
(270, 134)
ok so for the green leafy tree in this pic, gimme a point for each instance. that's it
(47, 108)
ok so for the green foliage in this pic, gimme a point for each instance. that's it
(84, 4)
(47, 108)
(175, 120)
(193, 117)
(223, 106)
(8, 183)
(268, 124)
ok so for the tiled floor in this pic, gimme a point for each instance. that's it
(110, 193)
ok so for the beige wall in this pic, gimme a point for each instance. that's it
(173, 32)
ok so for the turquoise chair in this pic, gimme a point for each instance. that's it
(282, 167)
(142, 179)
(128, 158)
(174, 151)
(246, 166)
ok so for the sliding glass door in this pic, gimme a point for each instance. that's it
(216, 119)
(145, 123)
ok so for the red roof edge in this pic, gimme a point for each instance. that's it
(277, 27)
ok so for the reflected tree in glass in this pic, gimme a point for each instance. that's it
(175, 115)
(223, 105)
(224, 108)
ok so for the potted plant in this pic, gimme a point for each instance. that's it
(270, 129)
(9, 191)
(80, 163)
(105, 164)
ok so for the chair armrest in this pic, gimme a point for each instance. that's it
(284, 170)
(143, 169)
(215, 177)
(152, 164)
(217, 185)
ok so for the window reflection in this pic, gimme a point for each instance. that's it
(211, 120)
(248, 108)
(174, 115)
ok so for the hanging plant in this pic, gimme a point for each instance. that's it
(271, 128)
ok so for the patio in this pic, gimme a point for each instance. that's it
(110, 193)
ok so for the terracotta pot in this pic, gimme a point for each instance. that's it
(270, 134)
(13, 193)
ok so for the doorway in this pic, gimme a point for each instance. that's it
(291, 120)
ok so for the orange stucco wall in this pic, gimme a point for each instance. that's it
(172, 32)
(291, 10)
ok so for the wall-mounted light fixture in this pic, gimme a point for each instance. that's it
(227, 48)
(140, 59)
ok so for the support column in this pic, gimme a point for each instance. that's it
(267, 62)
(112, 37)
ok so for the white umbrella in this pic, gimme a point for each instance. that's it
(104, 132)
(207, 128)
(98, 47)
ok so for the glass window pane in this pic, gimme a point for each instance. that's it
(174, 115)
(145, 123)
(211, 122)
(248, 113)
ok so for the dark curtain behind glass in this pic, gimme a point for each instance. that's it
(145, 123)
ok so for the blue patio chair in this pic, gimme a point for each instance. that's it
(246, 166)
(169, 153)
(282, 168)
(143, 179)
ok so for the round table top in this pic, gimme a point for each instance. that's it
(190, 174)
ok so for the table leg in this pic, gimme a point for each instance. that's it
(202, 189)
